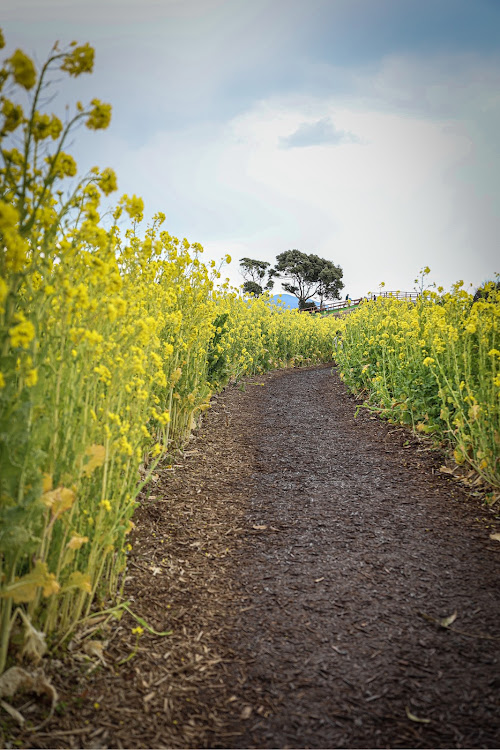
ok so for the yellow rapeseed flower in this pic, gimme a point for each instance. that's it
(22, 333)
(8, 216)
(13, 116)
(22, 69)
(79, 60)
(100, 115)
(134, 206)
(156, 450)
(107, 181)
(31, 378)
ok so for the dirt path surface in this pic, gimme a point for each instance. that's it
(302, 559)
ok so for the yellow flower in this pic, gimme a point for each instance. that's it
(428, 361)
(124, 446)
(22, 69)
(134, 206)
(104, 373)
(31, 377)
(164, 418)
(45, 126)
(2, 381)
(138, 630)
(107, 181)
(3, 292)
(100, 115)
(63, 165)
(8, 216)
(22, 333)
(13, 115)
(106, 505)
(79, 60)
(157, 449)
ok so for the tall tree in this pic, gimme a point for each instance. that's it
(254, 273)
(308, 276)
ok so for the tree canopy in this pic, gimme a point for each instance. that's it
(308, 276)
(254, 273)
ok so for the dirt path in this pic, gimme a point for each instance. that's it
(294, 552)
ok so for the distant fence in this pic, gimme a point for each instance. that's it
(343, 305)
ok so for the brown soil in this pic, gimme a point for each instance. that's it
(302, 559)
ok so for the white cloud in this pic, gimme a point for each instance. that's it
(381, 208)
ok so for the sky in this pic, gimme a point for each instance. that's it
(364, 131)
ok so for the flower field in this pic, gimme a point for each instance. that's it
(433, 365)
(112, 341)
(114, 335)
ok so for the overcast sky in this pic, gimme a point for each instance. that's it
(365, 131)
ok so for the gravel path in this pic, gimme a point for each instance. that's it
(362, 539)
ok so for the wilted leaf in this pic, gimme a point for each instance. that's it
(47, 482)
(259, 528)
(246, 713)
(50, 585)
(58, 500)
(95, 648)
(412, 717)
(34, 643)
(24, 588)
(80, 581)
(474, 411)
(77, 541)
(445, 470)
(97, 456)
(447, 621)
(495, 537)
